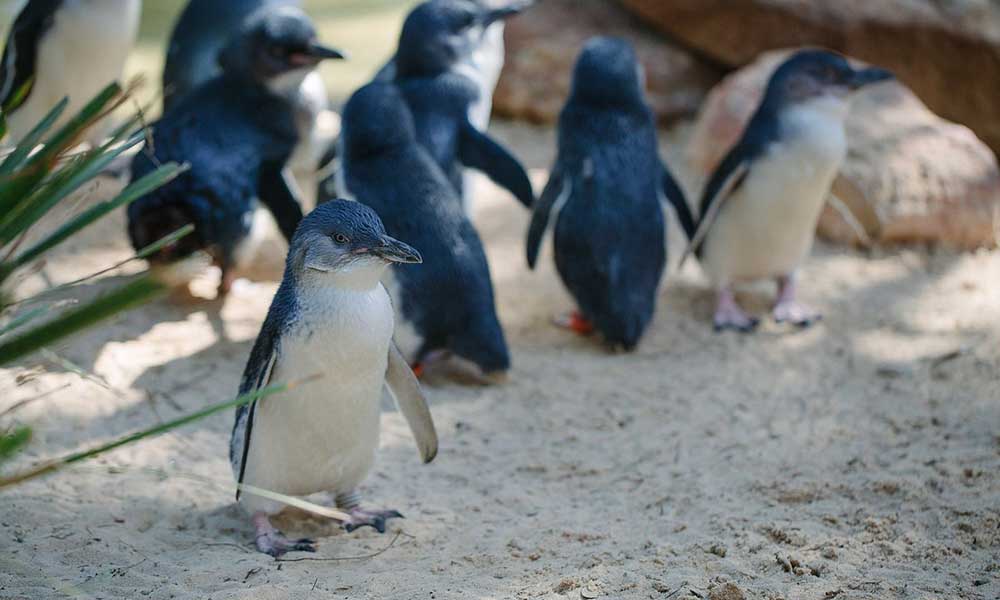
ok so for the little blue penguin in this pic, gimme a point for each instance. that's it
(63, 49)
(236, 131)
(448, 300)
(438, 38)
(605, 190)
(760, 207)
(200, 33)
(331, 317)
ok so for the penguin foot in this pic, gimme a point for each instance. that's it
(575, 322)
(797, 314)
(274, 543)
(370, 518)
(729, 315)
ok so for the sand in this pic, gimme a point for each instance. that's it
(856, 459)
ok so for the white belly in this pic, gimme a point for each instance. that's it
(84, 51)
(766, 229)
(322, 436)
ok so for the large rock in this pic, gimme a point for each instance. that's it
(542, 45)
(947, 52)
(910, 176)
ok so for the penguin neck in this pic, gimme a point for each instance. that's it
(288, 85)
(357, 279)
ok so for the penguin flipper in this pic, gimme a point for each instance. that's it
(17, 68)
(279, 192)
(478, 151)
(556, 191)
(410, 400)
(675, 195)
(256, 376)
(727, 179)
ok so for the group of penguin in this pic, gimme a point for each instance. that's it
(241, 103)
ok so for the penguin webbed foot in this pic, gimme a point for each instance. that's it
(788, 310)
(272, 542)
(375, 519)
(575, 322)
(729, 315)
(796, 313)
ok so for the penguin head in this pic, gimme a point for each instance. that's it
(346, 242)
(816, 73)
(376, 118)
(437, 34)
(276, 44)
(608, 72)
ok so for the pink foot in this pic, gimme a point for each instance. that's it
(271, 541)
(729, 315)
(370, 518)
(787, 310)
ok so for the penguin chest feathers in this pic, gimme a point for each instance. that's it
(322, 435)
(767, 228)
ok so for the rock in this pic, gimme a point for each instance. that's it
(910, 176)
(542, 46)
(933, 46)
(726, 591)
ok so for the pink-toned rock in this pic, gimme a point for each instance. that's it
(542, 46)
(910, 176)
(948, 52)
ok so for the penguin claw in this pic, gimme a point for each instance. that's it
(375, 519)
(742, 326)
(274, 543)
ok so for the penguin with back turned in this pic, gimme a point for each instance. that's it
(63, 49)
(330, 317)
(760, 207)
(237, 131)
(438, 37)
(448, 300)
(603, 193)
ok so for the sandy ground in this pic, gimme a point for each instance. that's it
(857, 459)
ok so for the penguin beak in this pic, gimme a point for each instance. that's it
(868, 76)
(489, 17)
(314, 53)
(393, 250)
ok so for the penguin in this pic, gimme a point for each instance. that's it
(63, 49)
(760, 207)
(483, 65)
(448, 301)
(605, 187)
(330, 317)
(200, 33)
(236, 131)
(438, 42)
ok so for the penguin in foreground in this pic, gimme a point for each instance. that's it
(331, 317)
(203, 29)
(438, 38)
(605, 190)
(237, 132)
(448, 300)
(63, 49)
(761, 205)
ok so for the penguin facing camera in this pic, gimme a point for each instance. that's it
(330, 317)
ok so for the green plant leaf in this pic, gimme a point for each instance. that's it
(139, 291)
(13, 440)
(16, 158)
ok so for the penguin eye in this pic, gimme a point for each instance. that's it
(341, 238)
(277, 51)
